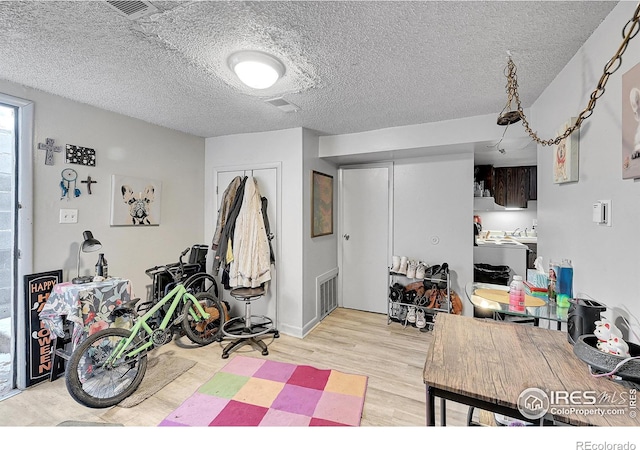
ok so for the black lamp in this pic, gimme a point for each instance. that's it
(90, 244)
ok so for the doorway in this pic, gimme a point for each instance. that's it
(365, 228)
(15, 236)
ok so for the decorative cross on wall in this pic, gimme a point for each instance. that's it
(89, 182)
(49, 148)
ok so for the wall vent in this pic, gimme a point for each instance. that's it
(133, 10)
(327, 292)
(282, 104)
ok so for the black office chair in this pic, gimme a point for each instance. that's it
(248, 328)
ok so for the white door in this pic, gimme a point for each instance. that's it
(267, 179)
(365, 228)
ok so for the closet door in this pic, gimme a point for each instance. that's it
(267, 179)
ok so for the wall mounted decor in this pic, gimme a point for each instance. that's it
(631, 123)
(321, 204)
(88, 182)
(135, 201)
(81, 155)
(69, 177)
(49, 148)
(566, 156)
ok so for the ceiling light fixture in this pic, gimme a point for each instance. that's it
(507, 117)
(256, 69)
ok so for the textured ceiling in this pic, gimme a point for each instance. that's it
(351, 66)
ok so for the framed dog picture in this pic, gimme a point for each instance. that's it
(631, 123)
(135, 201)
(565, 156)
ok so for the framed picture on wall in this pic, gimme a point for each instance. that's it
(566, 156)
(321, 204)
(631, 123)
(135, 201)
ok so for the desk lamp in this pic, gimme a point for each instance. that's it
(90, 244)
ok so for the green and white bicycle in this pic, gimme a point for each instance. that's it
(109, 365)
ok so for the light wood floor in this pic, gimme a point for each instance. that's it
(347, 340)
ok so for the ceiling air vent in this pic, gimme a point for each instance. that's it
(133, 10)
(283, 105)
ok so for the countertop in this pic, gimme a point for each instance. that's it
(500, 243)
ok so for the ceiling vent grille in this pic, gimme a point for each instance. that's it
(282, 104)
(133, 10)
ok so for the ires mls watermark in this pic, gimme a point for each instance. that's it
(534, 403)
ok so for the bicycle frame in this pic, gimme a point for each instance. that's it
(177, 293)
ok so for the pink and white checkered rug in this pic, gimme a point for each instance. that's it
(258, 392)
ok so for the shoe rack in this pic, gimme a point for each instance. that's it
(415, 301)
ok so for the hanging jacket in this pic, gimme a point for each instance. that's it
(223, 213)
(251, 264)
(229, 227)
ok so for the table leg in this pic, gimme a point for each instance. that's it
(443, 412)
(430, 407)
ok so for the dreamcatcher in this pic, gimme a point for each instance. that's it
(69, 176)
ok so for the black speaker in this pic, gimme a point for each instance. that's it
(581, 318)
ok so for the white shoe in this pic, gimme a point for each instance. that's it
(411, 269)
(396, 264)
(421, 320)
(411, 315)
(403, 265)
(421, 270)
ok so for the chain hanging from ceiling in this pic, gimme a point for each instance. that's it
(629, 31)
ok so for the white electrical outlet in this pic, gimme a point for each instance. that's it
(68, 216)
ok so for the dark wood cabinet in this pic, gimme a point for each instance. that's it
(514, 186)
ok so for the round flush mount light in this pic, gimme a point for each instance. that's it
(256, 69)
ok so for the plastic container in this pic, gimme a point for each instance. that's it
(516, 294)
(102, 269)
(564, 284)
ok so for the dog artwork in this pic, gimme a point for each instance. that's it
(631, 123)
(139, 207)
(135, 201)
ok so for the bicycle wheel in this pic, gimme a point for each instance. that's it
(202, 282)
(199, 330)
(95, 384)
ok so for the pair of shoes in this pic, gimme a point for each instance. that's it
(421, 270)
(399, 265)
(421, 320)
(411, 315)
(411, 268)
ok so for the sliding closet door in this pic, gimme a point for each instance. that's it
(267, 179)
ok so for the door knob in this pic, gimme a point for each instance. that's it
(346, 237)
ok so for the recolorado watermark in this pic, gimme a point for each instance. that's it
(534, 403)
(590, 445)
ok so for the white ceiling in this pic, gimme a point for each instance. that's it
(351, 66)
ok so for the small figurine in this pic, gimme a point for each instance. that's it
(610, 339)
(615, 346)
(605, 330)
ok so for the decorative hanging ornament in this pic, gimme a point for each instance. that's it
(69, 176)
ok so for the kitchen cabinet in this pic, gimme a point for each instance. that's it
(515, 186)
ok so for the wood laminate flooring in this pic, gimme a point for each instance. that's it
(392, 356)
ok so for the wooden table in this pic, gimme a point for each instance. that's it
(488, 364)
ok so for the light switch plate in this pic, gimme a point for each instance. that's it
(68, 216)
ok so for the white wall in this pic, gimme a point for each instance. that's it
(433, 217)
(605, 259)
(320, 254)
(245, 150)
(124, 146)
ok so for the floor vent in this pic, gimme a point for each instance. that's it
(327, 292)
(133, 10)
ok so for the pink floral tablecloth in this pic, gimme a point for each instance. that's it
(87, 305)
